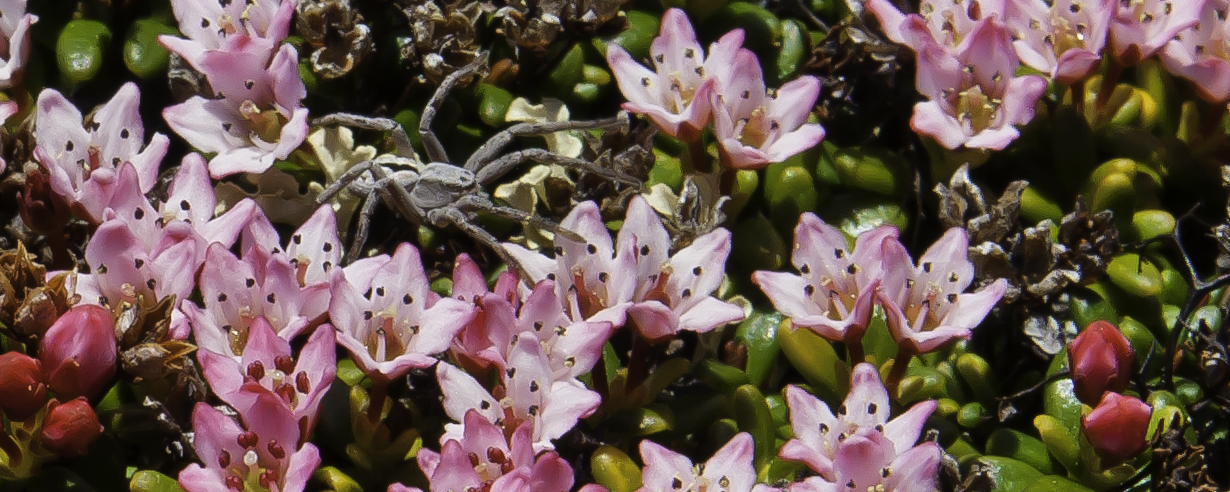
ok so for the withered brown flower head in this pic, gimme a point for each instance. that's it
(29, 304)
(445, 35)
(336, 33)
(1038, 270)
(533, 25)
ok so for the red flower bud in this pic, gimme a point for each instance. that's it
(1101, 360)
(78, 352)
(1117, 428)
(70, 427)
(22, 392)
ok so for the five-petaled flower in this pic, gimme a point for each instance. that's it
(926, 306)
(975, 96)
(676, 94)
(820, 435)
(833, 296)
(1062, 38)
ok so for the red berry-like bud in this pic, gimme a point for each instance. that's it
(1101, 360)
(1117, 428)
(22, 392)
(78, 352)
(69, 428)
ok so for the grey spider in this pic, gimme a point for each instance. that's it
(441, 194)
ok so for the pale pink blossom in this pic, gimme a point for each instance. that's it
(531, 394)
(675, 94)
(389, 319)
(819, 434)
(125, 271)
(834, 294)
(871, 462)
(730, 468)
(1142, 27)
(82, 161)
(926, 305)
(256, 116)
(668, 292)
(1200, 53)
(237, 292)
(224, 25)
(268, 366)
(1061, 38)
(190, 202)
(260, 453)
(756, 127)
(314, 249)
(14, 41)
(944, 23)
(975, 96)
(484, 459)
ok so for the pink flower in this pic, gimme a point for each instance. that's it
(871, 462)
(257, 116)
(756, 127)
(819, 435)
(83, 162)
(1064, 38)
(667, 294)
(268, 367)
(1117, 428)
(313, 249)
(14, 41)
(124, 271)
(484, 459)
(261, 453)
(1101, 360)
(675, 95)
(834, 295)
(226, 25)
(531, 394)
(926, 305)
(389, 319)
(944, 23)
(238, 292)
(729, 469)
(1141, 27)
(592, 267)
(975, 96)
(78, 352)
(1196, 54)
(188, 209)
(674, 292)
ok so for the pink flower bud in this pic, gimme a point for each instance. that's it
(22, 392)
(78, 352)
(1117, 428)
(70, 427)
(1101, 360)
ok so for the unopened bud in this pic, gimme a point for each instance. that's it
(22, 392)
(69, 428)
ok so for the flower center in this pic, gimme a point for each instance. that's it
(263, 124)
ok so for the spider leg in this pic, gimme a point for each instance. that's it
(494, 169)
(492, 147)
(473, 203)
(365, 220)
(435, 151)
(404, 148)
(345, 180)
(458, 218)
